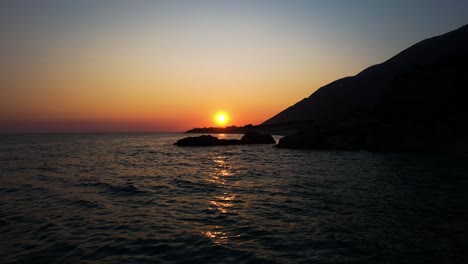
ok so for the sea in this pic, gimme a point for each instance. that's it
(137, 198)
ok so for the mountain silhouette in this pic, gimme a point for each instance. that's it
(419, 91)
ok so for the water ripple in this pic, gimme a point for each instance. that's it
(136, 198)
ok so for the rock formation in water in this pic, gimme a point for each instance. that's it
(413, 101)
(249, 137)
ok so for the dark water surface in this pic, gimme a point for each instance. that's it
(136, 198)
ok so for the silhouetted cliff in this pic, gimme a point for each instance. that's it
(412, 101)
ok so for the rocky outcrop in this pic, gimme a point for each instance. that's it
(252, 137)
(205, 140)
(375, 137)
(322, 140)
(208, 140)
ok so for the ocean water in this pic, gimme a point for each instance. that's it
(136, 198)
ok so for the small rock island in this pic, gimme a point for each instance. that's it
(250, 137)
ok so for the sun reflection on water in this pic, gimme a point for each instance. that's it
(222, 169)
(218, 237)
(224, 202)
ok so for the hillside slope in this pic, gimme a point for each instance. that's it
(367, 89)
(413, 101)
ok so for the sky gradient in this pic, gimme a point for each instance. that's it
(128, 66)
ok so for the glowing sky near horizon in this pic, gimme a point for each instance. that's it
(75, 66)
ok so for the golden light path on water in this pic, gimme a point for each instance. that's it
(222, 203)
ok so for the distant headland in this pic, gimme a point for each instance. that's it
(221, 130)
(274, 129)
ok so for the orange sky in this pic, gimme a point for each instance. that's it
(170, 66)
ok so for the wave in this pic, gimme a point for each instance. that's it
(127, 189)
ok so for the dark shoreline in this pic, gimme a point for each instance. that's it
(276, 129)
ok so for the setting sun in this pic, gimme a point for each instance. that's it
(221, 118)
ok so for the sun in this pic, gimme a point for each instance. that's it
(221, 118)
